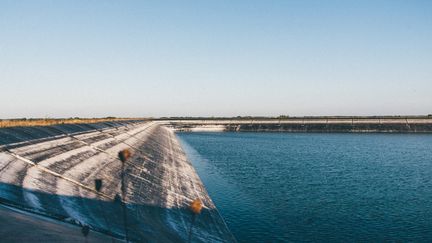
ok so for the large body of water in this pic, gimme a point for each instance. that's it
(273, 187)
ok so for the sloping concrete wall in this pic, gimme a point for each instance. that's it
(393, 125)
(52, 171)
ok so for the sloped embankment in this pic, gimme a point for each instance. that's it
(327, 125)
(52, 171)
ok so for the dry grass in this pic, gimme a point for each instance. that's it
(47, 122)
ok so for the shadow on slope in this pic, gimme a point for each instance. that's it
(142, 222)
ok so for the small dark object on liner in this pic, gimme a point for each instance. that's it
(117, 198)
(98, 184)
(85, 230)
(124, 155)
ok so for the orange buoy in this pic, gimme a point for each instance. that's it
(124, 155)
(196, 206)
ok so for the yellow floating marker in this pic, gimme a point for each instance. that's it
(124, 155)
(196, 206)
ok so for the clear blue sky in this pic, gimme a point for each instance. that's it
(215, 58)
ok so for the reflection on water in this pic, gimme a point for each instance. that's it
(273, 187)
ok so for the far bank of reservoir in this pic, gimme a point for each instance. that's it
(409, 124)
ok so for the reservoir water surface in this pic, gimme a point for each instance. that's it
(283, 187)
